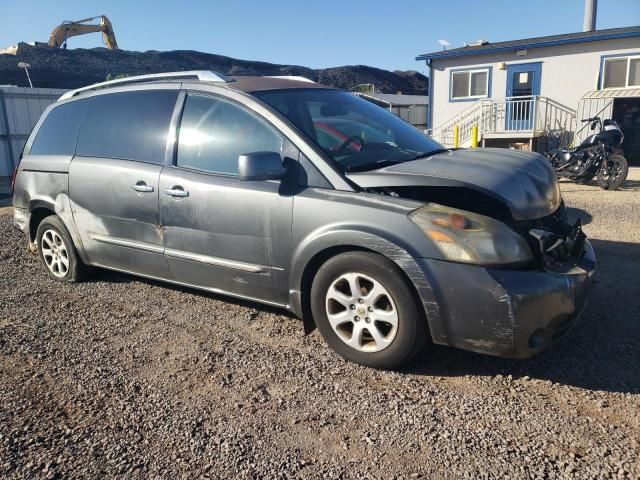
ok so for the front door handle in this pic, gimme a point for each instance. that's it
(141, 186)
(177, 191)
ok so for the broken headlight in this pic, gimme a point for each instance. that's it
(467, 237)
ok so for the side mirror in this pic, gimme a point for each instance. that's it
(260, 166)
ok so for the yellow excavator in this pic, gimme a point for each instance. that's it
(68, 29)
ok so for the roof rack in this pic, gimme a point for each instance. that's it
(291, 77)
(200, 75)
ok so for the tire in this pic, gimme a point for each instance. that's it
(57, 251)
(384, 331)
(614, 176)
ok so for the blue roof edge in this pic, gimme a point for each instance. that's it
(523, 46)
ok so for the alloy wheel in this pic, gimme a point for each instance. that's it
(361, 312)
(55, 254)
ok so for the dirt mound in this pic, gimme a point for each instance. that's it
(58, 68)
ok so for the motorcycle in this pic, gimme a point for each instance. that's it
(594, 157)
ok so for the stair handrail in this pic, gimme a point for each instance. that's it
(489, 115)
(461, 119)
(588, 124)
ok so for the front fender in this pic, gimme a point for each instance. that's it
(362, 238)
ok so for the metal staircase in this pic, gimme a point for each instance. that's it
(509, 118)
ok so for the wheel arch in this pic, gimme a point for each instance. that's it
(308, 261)
(39, 209)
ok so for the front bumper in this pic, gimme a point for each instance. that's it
(509, 313)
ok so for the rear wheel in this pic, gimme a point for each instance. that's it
(57, 252)
(365, 310)
(613, 175)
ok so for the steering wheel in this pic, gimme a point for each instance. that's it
(342, 149)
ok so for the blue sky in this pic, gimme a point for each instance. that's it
(385, 34)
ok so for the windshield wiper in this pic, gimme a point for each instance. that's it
(363, 167)
(429, 154)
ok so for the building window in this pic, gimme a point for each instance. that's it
(621, 72)
(470, 84)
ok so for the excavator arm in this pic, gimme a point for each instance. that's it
(66, 30)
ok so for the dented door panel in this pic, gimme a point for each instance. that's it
(227, 234)
(43, 182)
(119, 226)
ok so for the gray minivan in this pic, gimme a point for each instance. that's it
(289, 193)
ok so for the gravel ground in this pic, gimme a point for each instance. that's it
(121, 377)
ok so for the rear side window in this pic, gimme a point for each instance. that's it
(59, 130)
(128, 125)
(214, 133)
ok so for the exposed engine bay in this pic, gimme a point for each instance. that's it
(555, 243)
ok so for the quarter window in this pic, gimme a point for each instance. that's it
(127, 125)
(470, 84)
(214, 133)
(59, 131)
(621, 72)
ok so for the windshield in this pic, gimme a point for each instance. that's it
(356, 134)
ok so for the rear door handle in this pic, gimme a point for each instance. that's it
(141, 186)
(177, 191)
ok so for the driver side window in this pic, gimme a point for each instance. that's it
(214, 133)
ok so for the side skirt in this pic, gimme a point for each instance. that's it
(197, 287)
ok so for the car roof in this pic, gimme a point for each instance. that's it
(258, 84)
(246, 84)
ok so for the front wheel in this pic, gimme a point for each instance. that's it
(613, 172)
(366, 312)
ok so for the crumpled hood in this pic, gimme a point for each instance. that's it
(524, 181)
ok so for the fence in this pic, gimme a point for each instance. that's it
(20, 109)
(416, 115)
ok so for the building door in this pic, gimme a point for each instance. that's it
(523, 85)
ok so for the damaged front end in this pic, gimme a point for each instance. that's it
(555, 243)
(494, 304)
(514, 273)
(558, 245)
